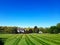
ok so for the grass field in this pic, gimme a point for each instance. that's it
(30, 39)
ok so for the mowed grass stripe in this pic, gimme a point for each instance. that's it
(8, 41)
(33, 40)
(12, 40)
(52, 40)
(49, 39)
(54, 37)
(39, 40)
(22, 41)
(17, 40)
(45, 40)
(29, 42)
(51, 36)
(5, 35)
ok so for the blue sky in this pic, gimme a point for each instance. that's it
(28, 13)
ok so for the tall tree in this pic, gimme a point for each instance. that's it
(53, 29)
(30, 30)
(58, 27)
(36, 30)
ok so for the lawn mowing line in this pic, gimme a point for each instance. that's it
(55, 38)
(55, 41)
(52, 35)
(29, 42)
(58, 39)
(49, 39)
(17, 40)
(22, 41)
(8, 36)
(4, 36)
(40, 41)
(33, 40)
(14, 39)
(10, 40)
(45, 39)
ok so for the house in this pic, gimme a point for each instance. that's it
(21, 30)
(40, 32)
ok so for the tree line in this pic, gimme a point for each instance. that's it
(13, 30)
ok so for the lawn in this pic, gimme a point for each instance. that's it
(30, 39)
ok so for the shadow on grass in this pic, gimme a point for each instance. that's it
(2, 41)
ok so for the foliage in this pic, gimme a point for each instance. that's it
(13, 30)
(5, 29)
(36, 30)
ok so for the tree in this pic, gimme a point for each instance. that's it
(53, 29)
(1, 29)
(46, 30)
(42, 29)
(30, 31)
(36, 30)
(14, 30)
(58, 27)
(5, 29)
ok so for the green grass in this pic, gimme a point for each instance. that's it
(30, 39)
